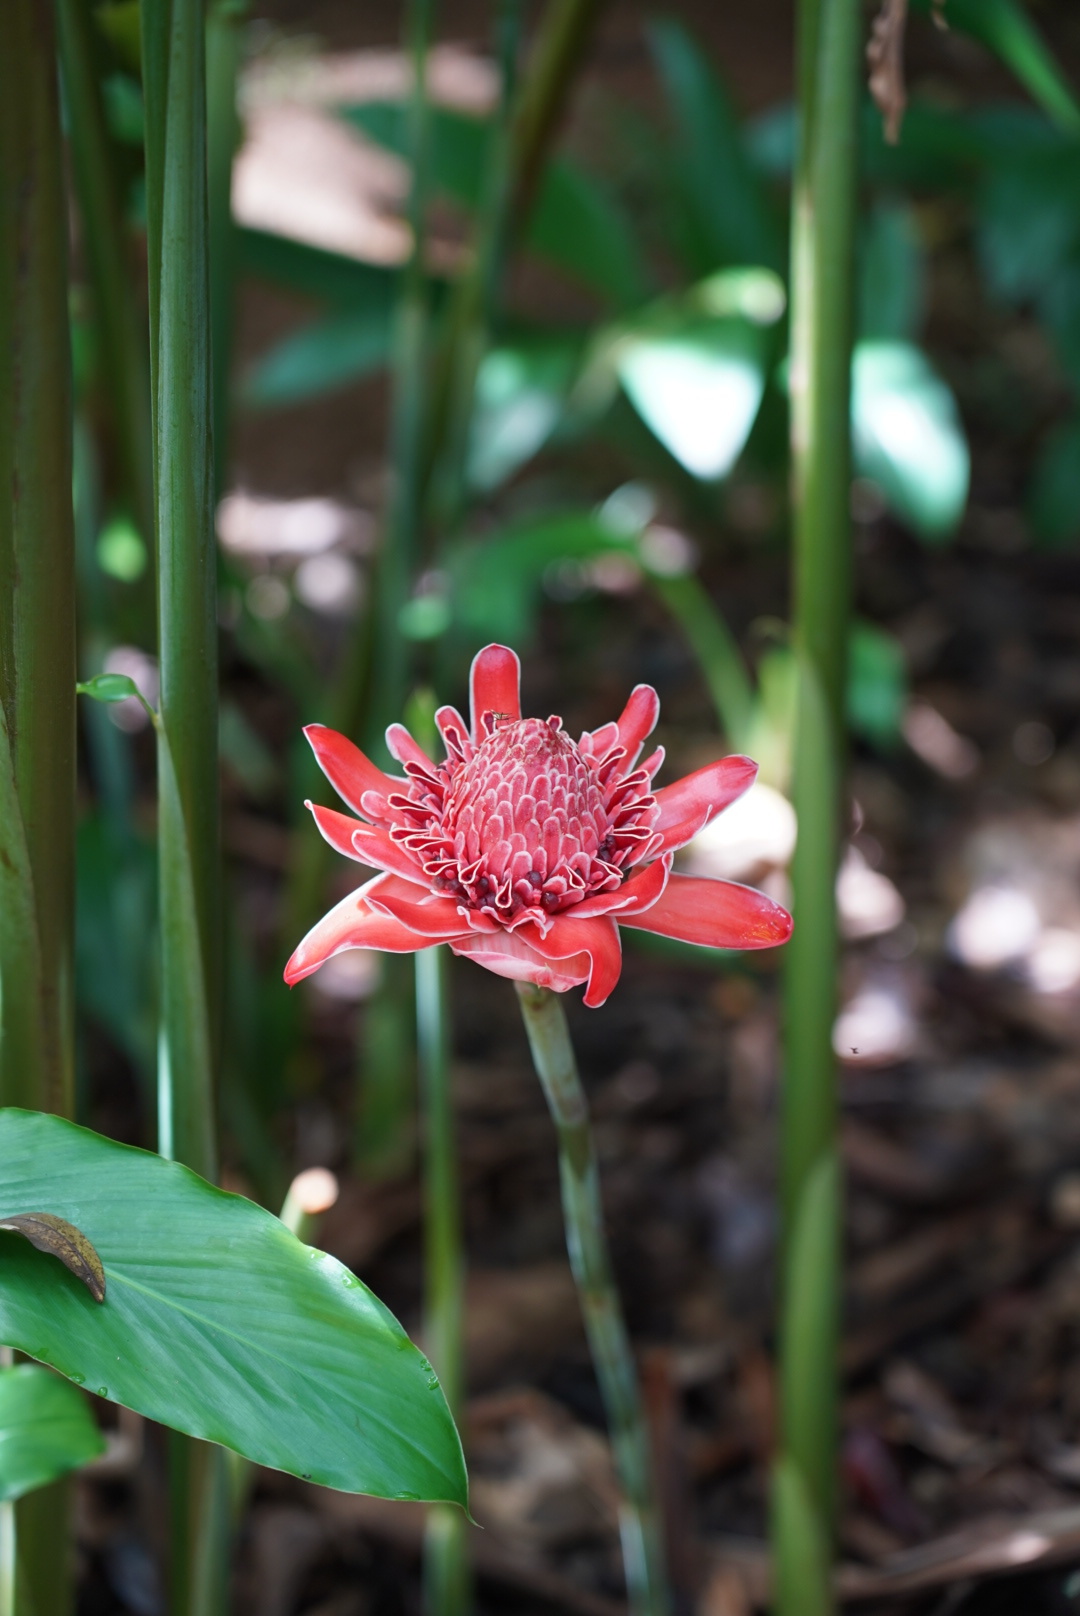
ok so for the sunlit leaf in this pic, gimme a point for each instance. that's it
(520, 397)
(46, 1429)
(908, 437)
(699, 391)
(217, 1321)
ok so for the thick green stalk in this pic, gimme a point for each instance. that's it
(109, 260)
(447, 1580)
(37, 569)
(174, 81)
(822, 275)
(37, 668)
(640, 1520)
(224, 52)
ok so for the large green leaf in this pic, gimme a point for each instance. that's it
(1005, 28)
(907, 436)
(520, 399)
(217, 1321)
(316, 272)
(46, 1429)
(699, 390)
(731, 217)
(573, 222)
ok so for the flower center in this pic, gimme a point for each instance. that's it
(522, 827)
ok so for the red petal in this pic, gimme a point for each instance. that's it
(347, 769)
(717, 914)
(338, 831)
(351, 924)
(638, 719)
(494, 686)
(400, 745)
(598, 938)
(687, 806)
(375, 846)
(639, 892)
(506, 953)
(436, 918)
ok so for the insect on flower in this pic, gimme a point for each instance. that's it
(524, 849)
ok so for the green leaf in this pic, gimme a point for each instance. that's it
(46, 1429)
(731, 214)
(1005, 28)
(698, 390)
(217, 1320)
(877, 687)
(573, 223)
(892, 274)
(497, 581)
(1055, 493)
(322, 357)
(520, 399)
(907, 436)
(110, 687)
(315, 272)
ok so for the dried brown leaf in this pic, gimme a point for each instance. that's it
(885, 57)
(63, 1240)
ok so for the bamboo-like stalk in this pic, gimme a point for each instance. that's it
(823, 225)
(224, 50)
(37, 671)
(447, 1578)
(109, 259)
(640, 1520)
(174, 82)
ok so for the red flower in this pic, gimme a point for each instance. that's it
(526, 850)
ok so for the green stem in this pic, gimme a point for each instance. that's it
(109, 259)
(174, 82)
(447, 1580)
(822, 275)
(224, 52)
(640, 1523)
(717, 652)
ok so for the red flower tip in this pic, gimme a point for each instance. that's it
(525, 849)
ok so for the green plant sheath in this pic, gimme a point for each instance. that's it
(821, 316)
(37, 671)
(640, 1525)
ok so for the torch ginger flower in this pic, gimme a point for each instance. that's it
(525, 850)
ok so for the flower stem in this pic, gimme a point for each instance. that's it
(822, 274)
(640, 1526)
(447, 1579)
